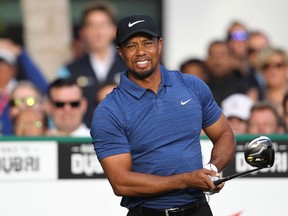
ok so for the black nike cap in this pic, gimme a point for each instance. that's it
(134, 24)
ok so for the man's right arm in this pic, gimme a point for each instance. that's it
(125, 182)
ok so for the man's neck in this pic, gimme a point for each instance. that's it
(152, 82)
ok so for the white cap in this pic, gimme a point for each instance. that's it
(7, 56)
(237, 105)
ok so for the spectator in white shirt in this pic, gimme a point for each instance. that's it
(66, 107)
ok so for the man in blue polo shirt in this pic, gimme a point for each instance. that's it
(146, 133)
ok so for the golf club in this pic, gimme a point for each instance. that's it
(258, 153)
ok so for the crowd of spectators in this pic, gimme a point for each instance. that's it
(31, 106)
(248, 79)
(246, 74)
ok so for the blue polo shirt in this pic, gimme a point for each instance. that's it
(161, 131)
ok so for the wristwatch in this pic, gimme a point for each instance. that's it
(211, 167)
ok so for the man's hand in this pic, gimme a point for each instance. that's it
(213, 178)
(201, 179)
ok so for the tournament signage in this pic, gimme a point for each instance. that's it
(72, 170)
(78, 161)
(279, 169)
(28, 160)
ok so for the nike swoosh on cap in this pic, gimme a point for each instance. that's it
(134, 23)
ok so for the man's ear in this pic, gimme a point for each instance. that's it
(118, 49)
(160, 45)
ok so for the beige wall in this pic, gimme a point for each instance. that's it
(47, 33)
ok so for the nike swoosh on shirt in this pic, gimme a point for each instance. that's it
(185, 102)
(134, 23)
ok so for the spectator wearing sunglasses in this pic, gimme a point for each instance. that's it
(66, 107)
(274, 66)
(237, 39)
(25, 95)
(237, 35)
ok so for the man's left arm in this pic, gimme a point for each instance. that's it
(222, 137)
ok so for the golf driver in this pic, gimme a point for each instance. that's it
(258, 153)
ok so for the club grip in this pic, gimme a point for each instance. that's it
(218, 182)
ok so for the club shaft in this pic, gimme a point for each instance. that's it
(224, 179)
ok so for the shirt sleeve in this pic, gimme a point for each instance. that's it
(108, 131)
(211, 112)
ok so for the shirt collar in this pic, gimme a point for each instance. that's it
(136, 90)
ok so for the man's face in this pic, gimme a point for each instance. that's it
(275, 71)
(196, 70)
(141, 54)
(262, 122)
(238, 41)
(219, 60)
(99, 31)
(24, 97)
(67, 107)
(238, 125)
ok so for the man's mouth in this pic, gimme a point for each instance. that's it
(142, 64)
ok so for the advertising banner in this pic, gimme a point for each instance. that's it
(77, 161)
(28, 160)
(68, 176)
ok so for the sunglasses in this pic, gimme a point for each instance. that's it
(238, 36)
(27, 102)
(60, 104)
(276, 65)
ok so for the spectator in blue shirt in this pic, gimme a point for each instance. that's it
(12, 57)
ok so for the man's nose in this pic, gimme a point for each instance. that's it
(140, 50)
